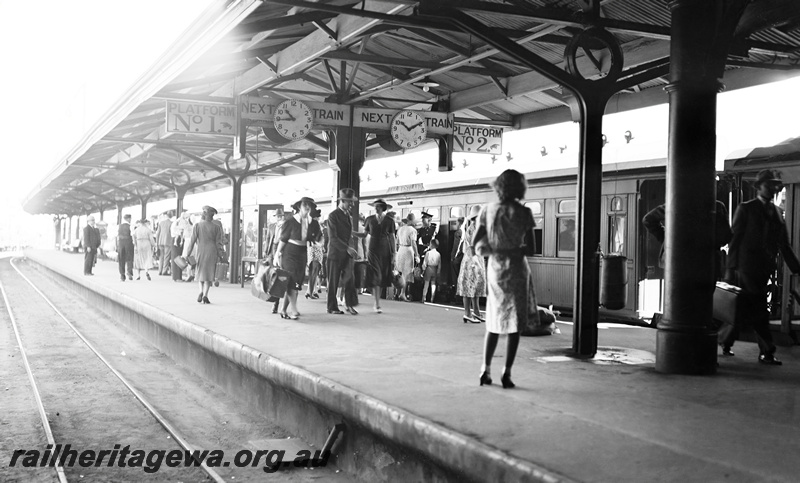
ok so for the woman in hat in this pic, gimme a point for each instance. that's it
(143, 242)
(207, 237)
(511, 303)
(472, 276)
(291, 254)
(381, 250)
(407, 254)
(315, 253)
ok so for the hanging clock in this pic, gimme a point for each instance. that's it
(408, 129)
(293, 119)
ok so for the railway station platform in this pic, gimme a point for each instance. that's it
(405, 383)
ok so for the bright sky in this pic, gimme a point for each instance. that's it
(65, 63)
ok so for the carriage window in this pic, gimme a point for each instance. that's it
(434, 212)
(616, 234)
(567, 206)
(617, 204)
(538, 217)
(456, 212)
(565, 242)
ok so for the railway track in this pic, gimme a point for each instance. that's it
(85, 404)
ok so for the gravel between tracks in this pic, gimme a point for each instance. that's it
(90, 409)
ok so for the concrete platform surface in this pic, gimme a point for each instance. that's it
(614, 419)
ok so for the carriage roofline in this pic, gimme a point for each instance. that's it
(629, 168)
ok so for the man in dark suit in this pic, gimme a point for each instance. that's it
(164, 240)
(91, 242)
(341, 254)
(759, 232)
(125, 248)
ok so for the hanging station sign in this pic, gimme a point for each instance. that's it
(200, 117)
(379, 119)
(475, 138)
(257, 110)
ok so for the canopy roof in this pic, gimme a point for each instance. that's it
(380, 52)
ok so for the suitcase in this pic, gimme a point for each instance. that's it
(180, 262)
(729, 311)
(278, 280)
(221, 272)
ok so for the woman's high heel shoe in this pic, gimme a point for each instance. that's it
(506, 380)
(200, 297)
(485, 379)
(470, 319)
(478, 318)
(308, 296)
(206, 301)
(147, 274)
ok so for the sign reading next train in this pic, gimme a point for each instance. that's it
(475, 138)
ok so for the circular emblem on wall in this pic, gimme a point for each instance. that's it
(293, 119)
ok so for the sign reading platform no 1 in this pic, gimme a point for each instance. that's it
(200, 117)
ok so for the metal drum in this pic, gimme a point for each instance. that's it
(613, 282)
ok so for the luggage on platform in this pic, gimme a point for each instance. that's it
(180, 262)
(729, 309)
(361, 278)
(278, 281)
(221, 272)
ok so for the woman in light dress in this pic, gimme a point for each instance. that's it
(143, 242)
(207, 237)
(407, 254)
(471, 283)
(315, 254)
(511, 302)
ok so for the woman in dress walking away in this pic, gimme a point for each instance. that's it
(381, 250)
(292, 255)
(511, 302)
(316, 253)
(143, 242)
(407, 254)
(471, 283)
(207, 236)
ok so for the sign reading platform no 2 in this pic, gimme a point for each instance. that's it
(200, 118)
(473, 138)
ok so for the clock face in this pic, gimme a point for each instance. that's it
(408, 129)
(293, 119)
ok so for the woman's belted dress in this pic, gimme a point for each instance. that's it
(511, 301)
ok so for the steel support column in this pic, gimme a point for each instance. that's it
(350, 154)
(144, 208)
(588, 193)
(234, 247)
(686, 342)
(180, 193)
(119, 215)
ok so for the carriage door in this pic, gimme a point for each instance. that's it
(649, 275)
(267, 216)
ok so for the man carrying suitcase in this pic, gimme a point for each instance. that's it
(759, 233)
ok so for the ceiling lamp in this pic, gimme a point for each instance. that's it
(426, 83)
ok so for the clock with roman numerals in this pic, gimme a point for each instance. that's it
(293, 119)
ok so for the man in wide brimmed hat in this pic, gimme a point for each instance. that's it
(759, 233)
(340, 254)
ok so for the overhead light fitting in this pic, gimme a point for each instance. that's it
(425, 84)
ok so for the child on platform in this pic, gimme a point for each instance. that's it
(431, 267)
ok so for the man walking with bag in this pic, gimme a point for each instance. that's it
(759, 232)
